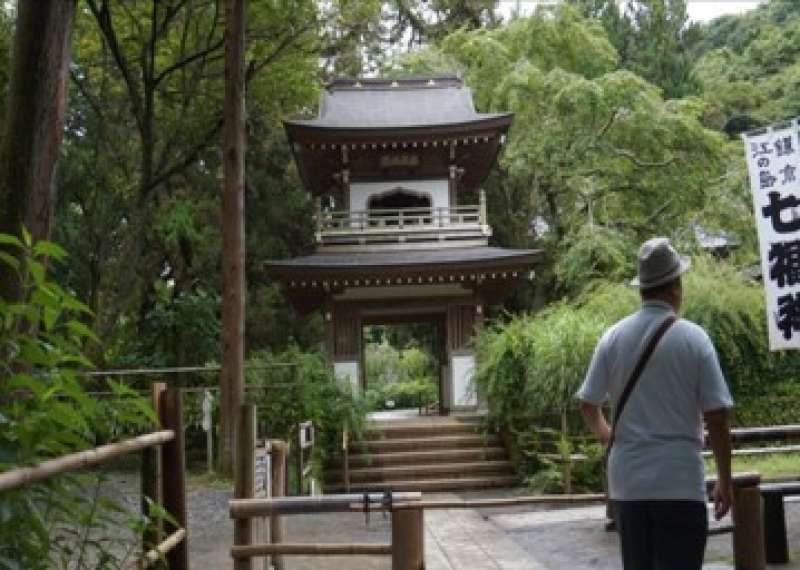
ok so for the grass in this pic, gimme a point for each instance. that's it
(772, 465)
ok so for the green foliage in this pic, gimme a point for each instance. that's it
(181, 328)
(593, 148)
(732, 311)
(532, 365)
(45, 411)
(399, 378)
(305, 389)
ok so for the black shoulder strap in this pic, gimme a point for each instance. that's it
(637, 372)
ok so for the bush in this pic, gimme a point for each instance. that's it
(530, 366)
(46, 412)
(406, 377)
(293, 386)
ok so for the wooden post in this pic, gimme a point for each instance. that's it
(775, 546)
(408, 547)
(151, 481)
(173, 461)
(278, 465)
(748, 524)
(245, 486)
(346, 459)
(232, 371)
(299, 460)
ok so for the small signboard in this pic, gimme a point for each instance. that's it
(263, 470)
(773, 162)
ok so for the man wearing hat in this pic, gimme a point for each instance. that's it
(663, 377)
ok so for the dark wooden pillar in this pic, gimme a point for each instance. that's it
(36, 106)
(347, 342)
(233, 287)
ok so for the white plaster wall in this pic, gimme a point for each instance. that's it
(360, 192)
(463, 391)
(347, 373)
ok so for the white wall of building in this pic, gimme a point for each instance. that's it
(438, 191)
(463, 392)
(346, 373)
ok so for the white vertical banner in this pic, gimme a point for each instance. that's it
(773, 161)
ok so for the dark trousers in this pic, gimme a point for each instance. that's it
(661, 535)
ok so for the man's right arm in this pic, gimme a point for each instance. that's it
(596, 421)
(719, 438)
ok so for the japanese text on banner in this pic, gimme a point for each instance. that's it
(773, 160)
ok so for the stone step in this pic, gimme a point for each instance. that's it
(422, 430)
(407, 432)
(425, 443)
(358, 461)
(431, 485)
(440, 470)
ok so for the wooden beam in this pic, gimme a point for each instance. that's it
(311, 549)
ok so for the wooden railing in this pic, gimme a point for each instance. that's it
(163, 477)
(403, 225)
(407, 546)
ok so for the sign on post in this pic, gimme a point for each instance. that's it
(773, 162)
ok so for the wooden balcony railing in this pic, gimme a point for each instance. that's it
(454, 225)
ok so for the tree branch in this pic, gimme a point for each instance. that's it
(84, 91)
(254, 67)
(625, 153)
(188, 159)
(103, 17)
(187, 60)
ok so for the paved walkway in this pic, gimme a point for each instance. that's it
(458, 539)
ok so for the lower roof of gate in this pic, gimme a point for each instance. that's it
(492, 272)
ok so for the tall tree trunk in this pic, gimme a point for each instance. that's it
(232, 373)
(36, 108)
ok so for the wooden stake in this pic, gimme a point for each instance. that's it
(408, 548)
(278, 450)
(748, 526)
(233, 156)
(174, 475)
(245, 487)
(151, 482)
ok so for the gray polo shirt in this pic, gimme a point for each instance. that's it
(656, 452)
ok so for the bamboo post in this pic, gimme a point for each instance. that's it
(278, 465)
(408, 547)
(748, 524)
(173, 475)
(151, 482)
(245, 486)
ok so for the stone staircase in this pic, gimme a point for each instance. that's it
(425, 454)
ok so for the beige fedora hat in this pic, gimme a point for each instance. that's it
(658, 263)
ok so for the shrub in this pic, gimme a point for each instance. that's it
(46, 412)
(530, 366)
(294, 386)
